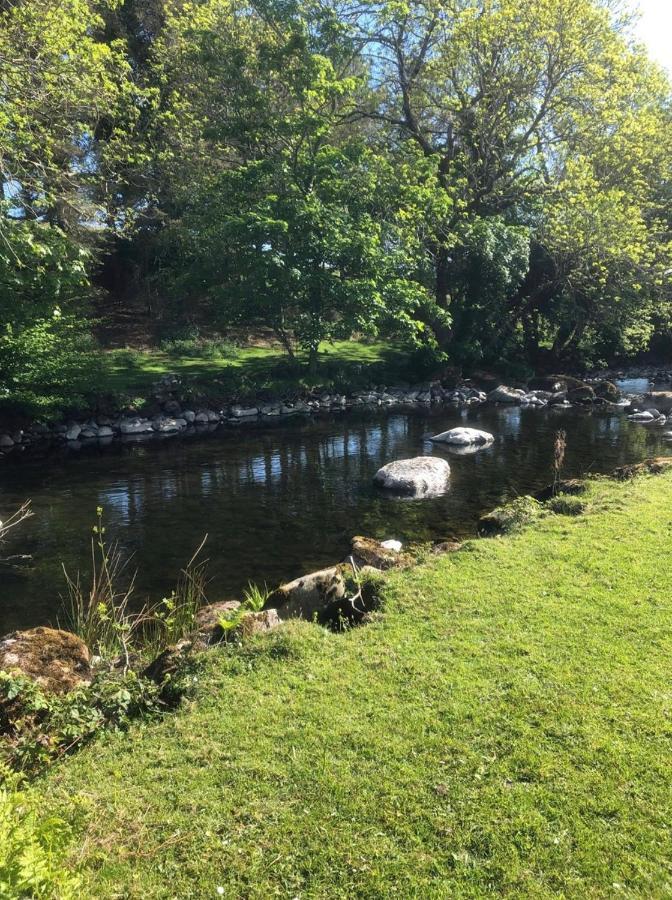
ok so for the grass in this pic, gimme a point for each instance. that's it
(503, 728)
(134, 371)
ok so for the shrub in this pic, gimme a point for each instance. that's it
(37, 728)
(32, 847)
(48, 365)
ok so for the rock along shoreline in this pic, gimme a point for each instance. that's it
(166, 414)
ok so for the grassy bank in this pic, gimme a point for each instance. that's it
(217, 367)
(503, 728)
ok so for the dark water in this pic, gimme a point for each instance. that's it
(278, 500)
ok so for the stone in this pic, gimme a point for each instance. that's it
(551, 383)
(659, 400)
(57, 660)
(391, 544)
(653, 466)
(172, 408)
(239, 412)
(258, 622)
(201, 418)
(463, 436)
(419, 477)
(73, 433)
(135, 426)
(207, 630)
(582, 393)
(451, 546)
(189, 416)
(503, 394)
(310, 597)
(6, 442)
(105, 432)
(645, 416)
(606, 390)
(370, 552)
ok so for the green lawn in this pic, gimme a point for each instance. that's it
(134, 371)
(504, 728)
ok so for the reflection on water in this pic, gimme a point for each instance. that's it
(280, 499)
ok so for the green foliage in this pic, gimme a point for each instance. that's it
(41, 728)
(32, 847)
(254, 600)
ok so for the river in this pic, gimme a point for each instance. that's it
(277, 500)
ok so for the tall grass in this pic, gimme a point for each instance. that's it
(103, 613)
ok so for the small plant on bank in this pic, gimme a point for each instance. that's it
(254, 600)
(559, 450)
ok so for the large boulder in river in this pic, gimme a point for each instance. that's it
(57, 660)
(310, 597)
(503, 394)
(462, 437)
(421, 476)
(660, 400)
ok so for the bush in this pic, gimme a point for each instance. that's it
(37, 728)
(48, 365)
(32, 847)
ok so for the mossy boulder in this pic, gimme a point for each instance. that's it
(370, 552)
(606, 390)
(56, 660)
(510, 517)
(309, 597)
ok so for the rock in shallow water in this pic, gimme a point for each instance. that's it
(422, 476)
(462, 437)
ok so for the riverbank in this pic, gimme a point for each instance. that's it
(500, 727)
(172, 406)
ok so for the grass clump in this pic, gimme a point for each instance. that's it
(564, 505)
(510, 517)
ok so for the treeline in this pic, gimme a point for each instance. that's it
(487, 178)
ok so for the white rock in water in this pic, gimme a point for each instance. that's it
(73, 433)
(393, 545)
(419, 477)
(463, 437)
(642, 417)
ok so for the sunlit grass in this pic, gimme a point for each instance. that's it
(503, 729)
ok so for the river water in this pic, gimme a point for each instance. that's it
(280, 499)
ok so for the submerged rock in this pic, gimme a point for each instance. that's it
(421, 476)
(463, 437)
(57, 660)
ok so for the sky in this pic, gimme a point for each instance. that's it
(655, 29)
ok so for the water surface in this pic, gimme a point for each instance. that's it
(280, 499)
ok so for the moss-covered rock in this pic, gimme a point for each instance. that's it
(57, 660)
(510, 517)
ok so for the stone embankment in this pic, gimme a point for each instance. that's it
(166, 414)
